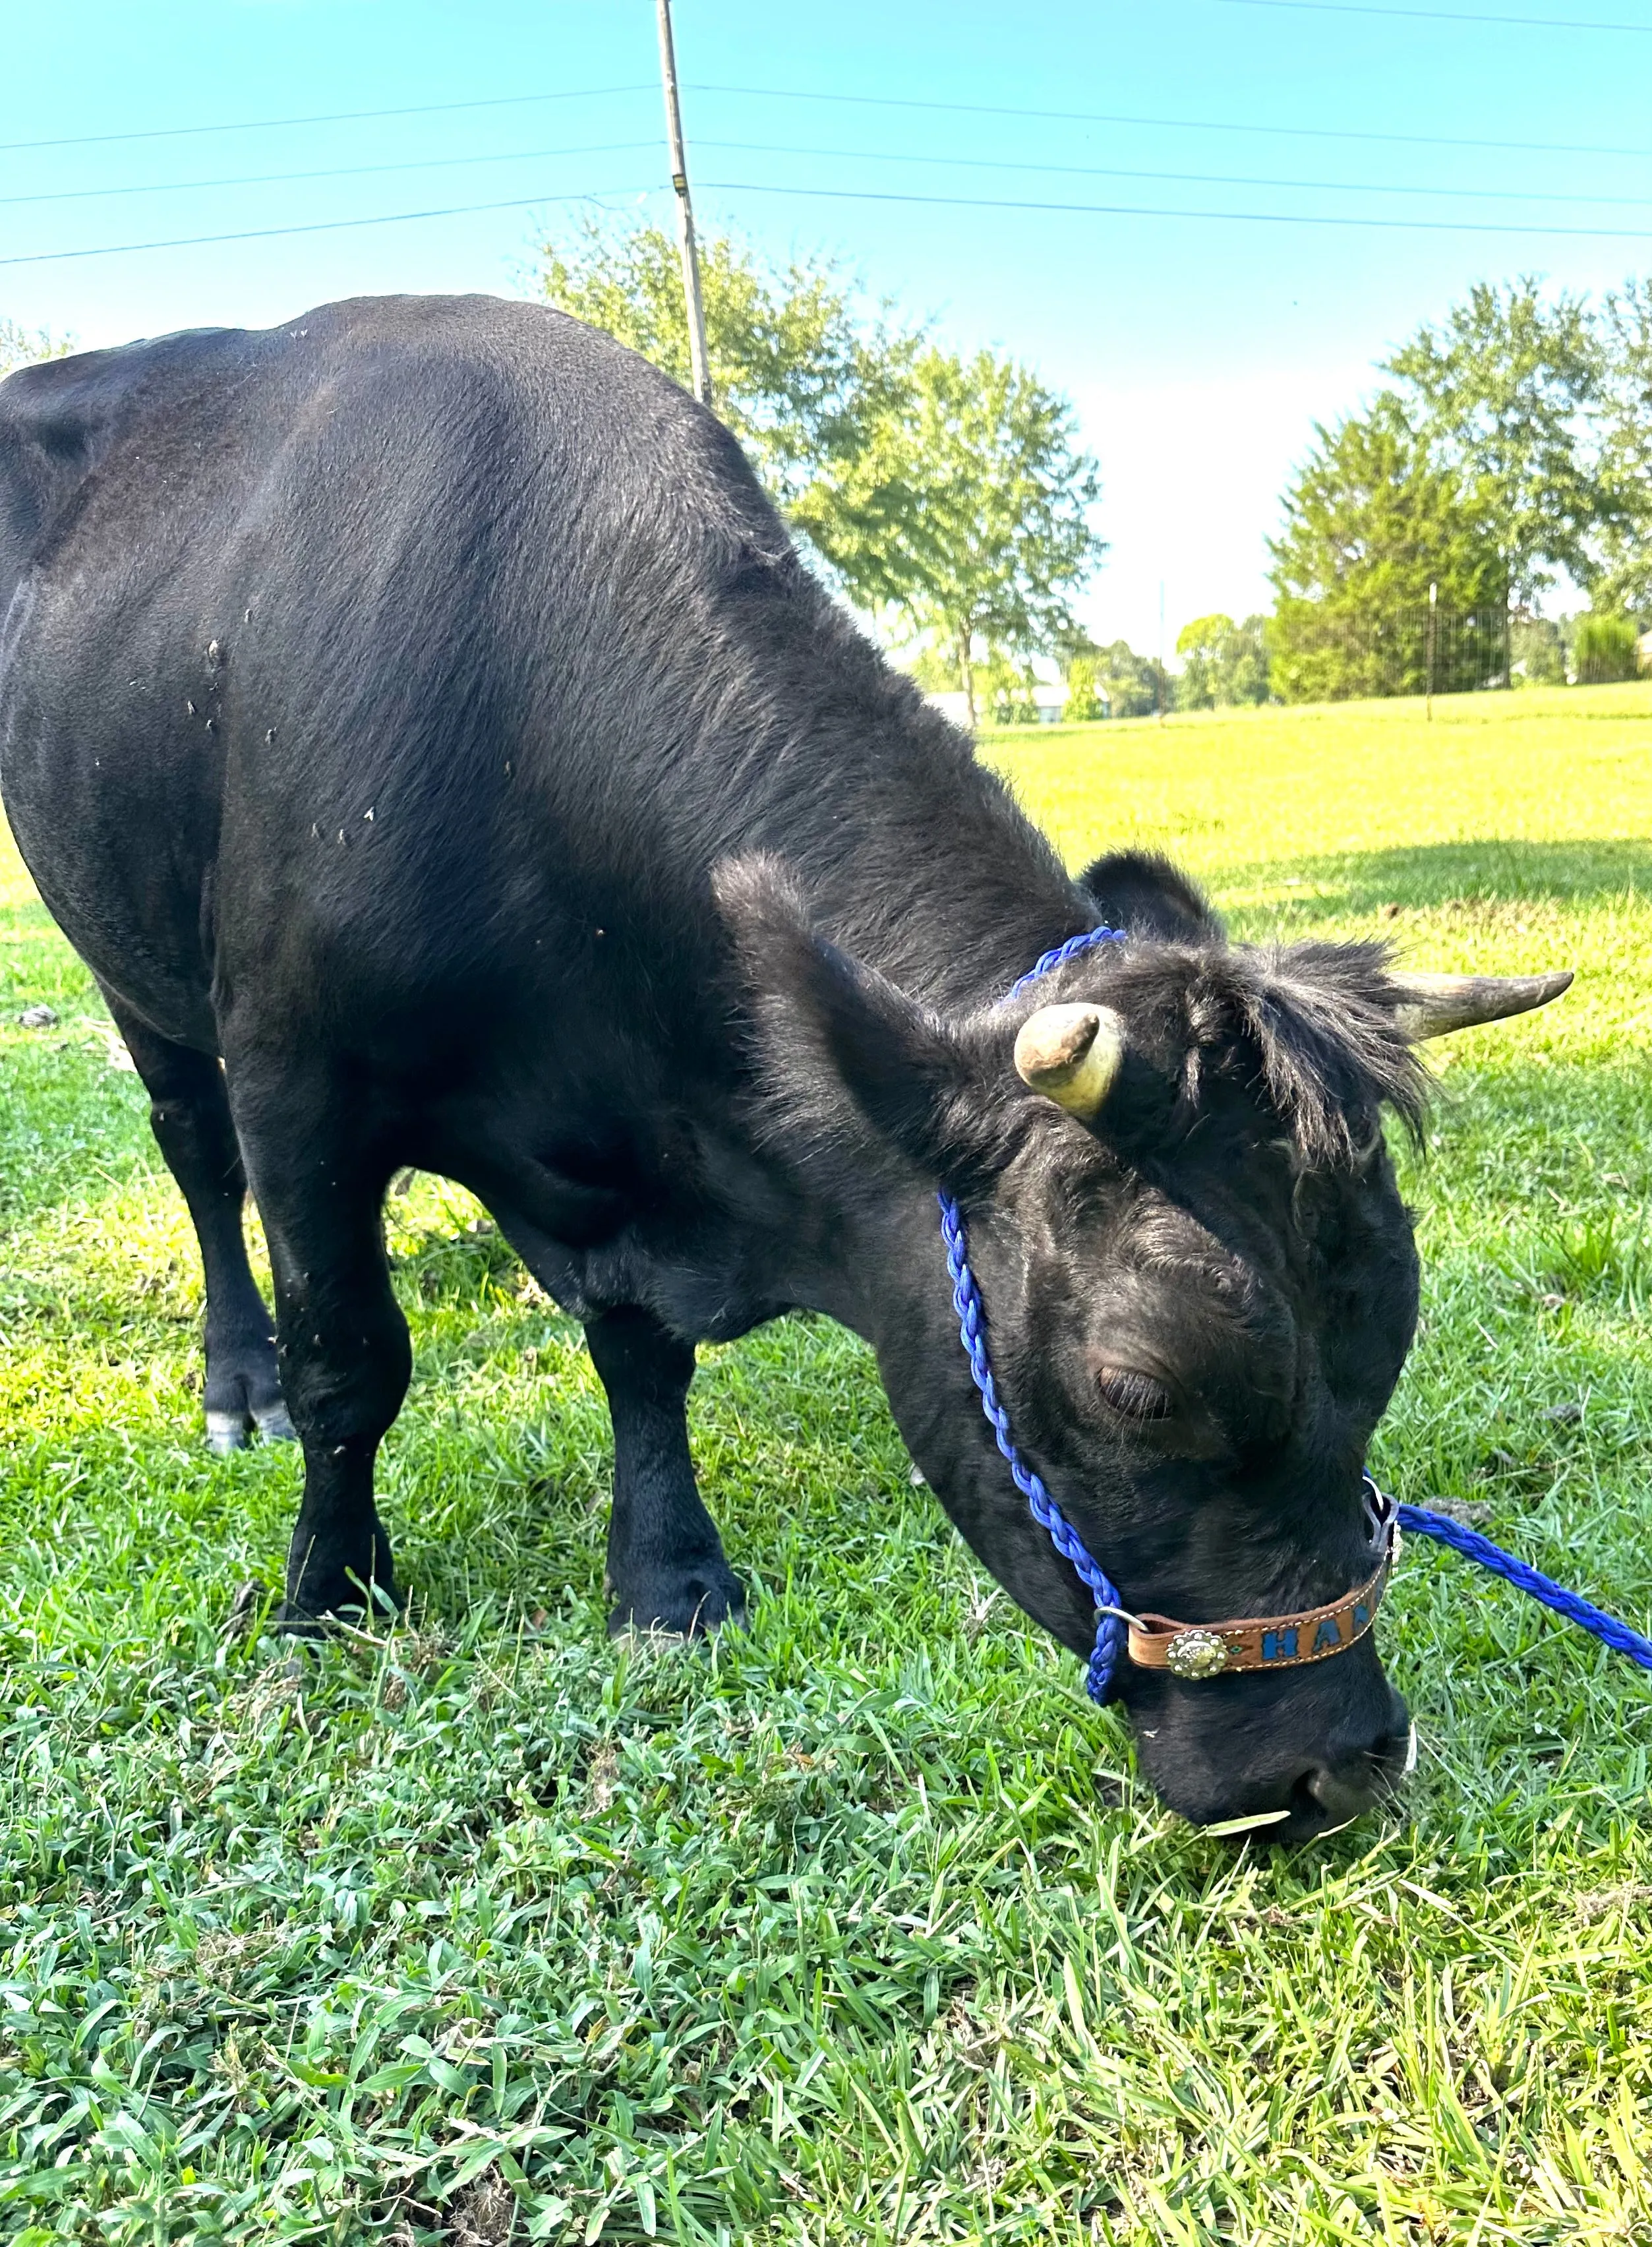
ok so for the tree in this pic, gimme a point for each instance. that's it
(1605, 648)
(1006, 689)
(1520, 429)
(1370, 522)
(1083, 704)
(968, 513)
(1537, 651)
(1625, 412)
(800, 371)
(1501, 394)
(1130, 685)
(1223, 663)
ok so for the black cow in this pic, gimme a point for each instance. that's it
(420, 710)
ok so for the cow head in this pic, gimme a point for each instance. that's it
(1199, 1281)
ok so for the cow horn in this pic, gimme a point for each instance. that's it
(1071, 1055)
(1432, 1005)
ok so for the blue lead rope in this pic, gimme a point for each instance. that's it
(966, 1301)
(1111, 1616)
(1456, 1534)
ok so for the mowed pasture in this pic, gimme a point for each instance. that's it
(856, 1929)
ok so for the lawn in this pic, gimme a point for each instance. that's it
(858, 1929)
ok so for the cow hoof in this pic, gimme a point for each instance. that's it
(363, 1598)
(233, 1432)
(227, 1433)
(316, 1619)
(683, 1609)
(299, 1623)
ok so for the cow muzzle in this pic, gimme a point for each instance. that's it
(1287, 1757)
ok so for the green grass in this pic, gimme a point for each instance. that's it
(859, 1929)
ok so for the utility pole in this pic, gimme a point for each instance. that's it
(1434, 598)
(698, 363)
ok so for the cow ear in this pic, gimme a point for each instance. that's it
(1145, 895)
(829, 1025)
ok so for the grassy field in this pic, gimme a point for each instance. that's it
(858, 1930)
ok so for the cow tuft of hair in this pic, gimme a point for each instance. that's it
(1322, 1018)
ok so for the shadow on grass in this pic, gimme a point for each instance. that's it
(1483, 870)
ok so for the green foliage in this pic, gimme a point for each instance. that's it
(1604, 648)
(934, 669)
(1517, 444)
(967, 513)
(1003, 683)
(801, 370)
(1128, 685)
(1500, 393)
(1624, 579)
(1222, 663)
(1371, 522)
(23, 346)
(1537, 651)
(1005, 689)
(1083, 703)
(857, 1928)
(1201, 646)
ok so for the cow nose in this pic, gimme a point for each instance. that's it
(1335, 1793)
(1343, 1790)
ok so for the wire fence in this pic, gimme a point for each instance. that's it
(1423, 650)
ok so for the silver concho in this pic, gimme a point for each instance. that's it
(1195, 1654)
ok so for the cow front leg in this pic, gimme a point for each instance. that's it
(665, 1564)
(341, 1340)
(189, 1114)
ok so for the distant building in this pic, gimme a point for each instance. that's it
(1048, 698)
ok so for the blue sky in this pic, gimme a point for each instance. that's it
(1199, 346)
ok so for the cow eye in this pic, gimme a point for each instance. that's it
(1137, 1394)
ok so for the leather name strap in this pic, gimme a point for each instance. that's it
(1218, 1649)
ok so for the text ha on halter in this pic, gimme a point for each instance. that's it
(1281, 1642)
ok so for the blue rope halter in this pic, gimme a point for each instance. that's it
(1111, 1615)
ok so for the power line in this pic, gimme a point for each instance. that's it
(1439, 14)
(348, 171)
(1142, 210)
(1175, 124)
(317, 226)
(877, 101)
(1196, 179)
(863, 156)
(329, 117)
(864, 194)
